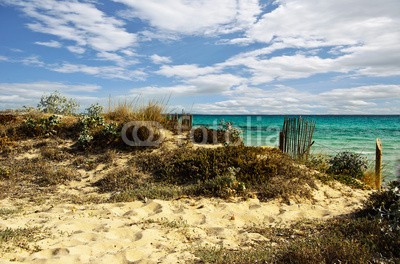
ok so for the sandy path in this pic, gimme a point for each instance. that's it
(162, 231)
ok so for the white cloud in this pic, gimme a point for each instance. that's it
(74, 21)
(369, 92)
(195, 17)
(108, 72)
(363, 33)
(212, 84)
(51, 44)
(33, 61)
(157, 59)
(18, 94)
(3, 58)
(76, 49)
(185, 70)
(286, 100)
(122, 61)
(215, 83)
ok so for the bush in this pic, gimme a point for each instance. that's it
(94, 128)
(56, 103)
(385, 206)
(41, 126)
(348, 163)
(266, 171)
(223, 186)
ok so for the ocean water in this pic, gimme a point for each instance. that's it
(332, 134)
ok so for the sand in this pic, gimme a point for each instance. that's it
(156, 231)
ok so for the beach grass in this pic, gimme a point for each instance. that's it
(347, 240)
(23, 238)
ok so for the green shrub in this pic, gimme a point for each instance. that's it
(85, 138)
(41, 126)
(265, 171)
(120, 180)
(385, 205)
(223, 186)
(348, 163)
(90, 124)
(56, 103)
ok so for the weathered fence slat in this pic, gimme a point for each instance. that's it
(378, 164)
(295, 139)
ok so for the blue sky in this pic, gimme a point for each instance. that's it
(206, 56)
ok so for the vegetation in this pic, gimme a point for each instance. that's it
(41, 126)
(56, 103)
(346, 167)
(370, 236)
(348, 163)
(125, 111)
(219, 172)
(20, 238)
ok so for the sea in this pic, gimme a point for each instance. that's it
(333, 134)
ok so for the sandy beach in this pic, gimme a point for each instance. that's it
(156, 231)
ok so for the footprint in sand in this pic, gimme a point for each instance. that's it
(153, 207)
(60, 252)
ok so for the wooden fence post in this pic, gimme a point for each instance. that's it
(378, 164)
(281, 139)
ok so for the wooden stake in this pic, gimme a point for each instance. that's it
(378, 164)
(281, 137)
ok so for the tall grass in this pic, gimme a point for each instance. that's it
(136, 110)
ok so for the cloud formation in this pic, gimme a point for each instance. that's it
(80, 22)
(243, 56)
(195, 17)
(50, 44)
(14, 95)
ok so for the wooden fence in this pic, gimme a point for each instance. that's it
(295, 138)
(185, 121)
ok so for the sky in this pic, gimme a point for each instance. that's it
(205, 56)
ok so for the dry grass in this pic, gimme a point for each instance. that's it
(23, 238)
(369, 178)
(135, 110)
(32, 178)
(342, 240)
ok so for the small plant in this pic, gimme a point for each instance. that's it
(21, 238)
(348, 163)
(95, 129)
(56, 103)
(84, 138)
(41, 127)
(224, 186)
(53, 153)
(4, 173)
(94, 110)
(386, 206)
(110, 131)
(4, 212)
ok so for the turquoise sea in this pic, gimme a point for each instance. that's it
(332, 134)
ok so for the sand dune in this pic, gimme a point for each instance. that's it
(158, 231)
